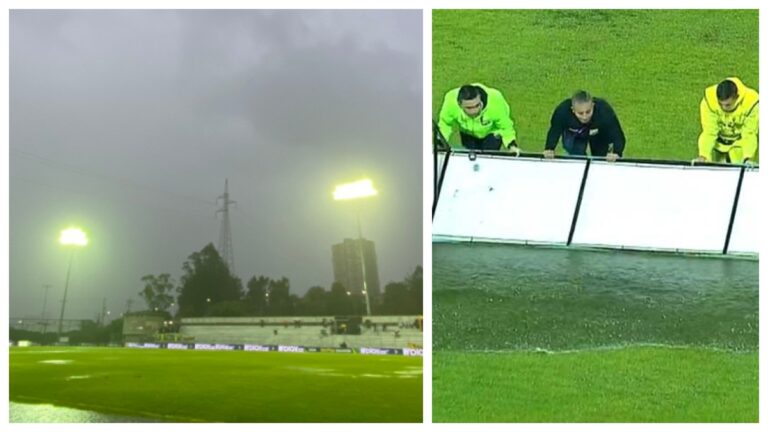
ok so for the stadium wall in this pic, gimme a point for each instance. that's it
(639, 205)
(383, 332)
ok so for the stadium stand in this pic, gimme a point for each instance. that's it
(376, 331)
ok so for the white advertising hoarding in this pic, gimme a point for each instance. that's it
(507, 199)
(624, 205)
(656, 207)
(744, 236)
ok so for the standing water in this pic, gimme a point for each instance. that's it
(501, 297)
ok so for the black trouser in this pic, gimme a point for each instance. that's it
(577, 145)
(490, 142)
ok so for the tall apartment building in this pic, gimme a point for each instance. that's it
(347, 268)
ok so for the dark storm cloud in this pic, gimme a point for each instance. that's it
(127, 122)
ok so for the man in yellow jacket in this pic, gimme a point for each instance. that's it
(729, 123)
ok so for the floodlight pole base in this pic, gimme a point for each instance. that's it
(64, 300)
(362, 263)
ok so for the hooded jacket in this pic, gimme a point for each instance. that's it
(724, 130)
(493, 119)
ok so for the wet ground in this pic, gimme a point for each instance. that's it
(501, 297)
(33, 413)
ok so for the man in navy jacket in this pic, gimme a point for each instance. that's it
(585, 120)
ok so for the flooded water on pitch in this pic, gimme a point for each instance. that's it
(44, 413)
(501, 297)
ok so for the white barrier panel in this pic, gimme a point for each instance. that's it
(506, 199)
(656, 207)
(744, 237)
(623, 205)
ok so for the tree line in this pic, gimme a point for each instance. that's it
(207, 288)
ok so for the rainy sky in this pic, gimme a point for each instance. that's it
(126, 123)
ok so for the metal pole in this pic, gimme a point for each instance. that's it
(45, 301)
(64, 300)
(362, 262)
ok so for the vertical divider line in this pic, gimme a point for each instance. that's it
(733, 210)
(439, 187)
(578, 202)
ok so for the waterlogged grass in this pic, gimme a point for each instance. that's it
(651, 65)
(204, 386)
(632, 384)
(499, 310)
(503, 297)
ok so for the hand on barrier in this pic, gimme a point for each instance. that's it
(698, 160)
(749, 164)
(549, 154)
(611, 157)
(514, 149)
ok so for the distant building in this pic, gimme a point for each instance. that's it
(141, 327)
(348, 271)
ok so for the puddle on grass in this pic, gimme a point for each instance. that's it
(41, 413)
(56, 362)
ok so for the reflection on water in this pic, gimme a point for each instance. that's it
(500, 297)
(31, 413)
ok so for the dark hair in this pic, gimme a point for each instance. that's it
(468, 92)
(726, 90)
(581, 96)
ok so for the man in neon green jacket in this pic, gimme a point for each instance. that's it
(482, 117)
(729, 123)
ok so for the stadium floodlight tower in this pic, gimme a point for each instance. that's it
(73, 238)
(353, 191)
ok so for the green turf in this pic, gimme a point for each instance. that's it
(652, 66)
(205, 386)
(639, 384)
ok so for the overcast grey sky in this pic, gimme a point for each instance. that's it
(126, 123)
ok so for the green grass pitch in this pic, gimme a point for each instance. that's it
(632, 384)
(652, 66)
(218, 386)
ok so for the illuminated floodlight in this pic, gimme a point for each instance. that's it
(349, 191)
(359, 189)
(74, 237)
(69, 237)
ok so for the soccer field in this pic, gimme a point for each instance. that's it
(524, 334)
(217, 386)
(541, 335)
(629, 384)
(652, 66)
